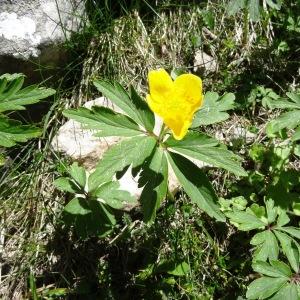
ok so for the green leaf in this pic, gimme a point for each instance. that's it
(283, 103)
(114, 197)
(133, 106)
(273, 4)
(296, 135)
(253, 6)
(78, 174)
(214, 109)
(291, 252)
(257, 210)
(12, 97)
(89, 217)
(277, 269)
(191, 140)
(32, 285)
(198, 146)
(261, 253)
(154, 178)
(181, 269)
(12, 132)
(283, 219)
(172, 267)
(132, 152)
(282, 267)
(104, 121)
(77, 206)
(289, 120)
(246, 221)
(268, 249)
(235, 6)
(272, 245)
(294, 97)
(287, 292)
(293, 231)
(67, 185)
(258, 238)
(196, 185)
(264, 287)
(146, 116)
(271, 211)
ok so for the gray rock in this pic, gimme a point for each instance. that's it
(80, 144)
(204, 63)
(234, 134)
(32, 30)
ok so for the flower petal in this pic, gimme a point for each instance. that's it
(175, 101)
(160, 83)
(188, 88)
(178, 126)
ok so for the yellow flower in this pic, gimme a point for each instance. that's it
(175, 101)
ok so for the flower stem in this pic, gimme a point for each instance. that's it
(162, 133)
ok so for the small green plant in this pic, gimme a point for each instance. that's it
(273, 238)
(13, 98)
(278, 281)
(253, 7)
(91, 211)
(273, 182)
(287, 120)
(151, 154)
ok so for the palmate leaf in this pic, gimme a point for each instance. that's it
(283, 103)
(288, 291)
(289, 248)
(245, 221)
(276, 269)
(289, 120)
(265, 287)
(12, 97)
(132, 105)
(89, 217)
(78, 174)
(110, 193)
(132, 152)
(201, 147)
(13, 132)
(268, 249)
(104, 121)
(154, 178)
(67, 185)
(214, 109)
(196, 185)
(75, 183)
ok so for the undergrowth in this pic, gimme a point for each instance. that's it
(123, 40)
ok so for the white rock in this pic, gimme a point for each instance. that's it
(204, 62)
(235, 133)
(29, 28)
(80, 144)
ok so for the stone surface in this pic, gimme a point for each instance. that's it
(80, 144)
(32, 30)
(235, 134)
(204, 63)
